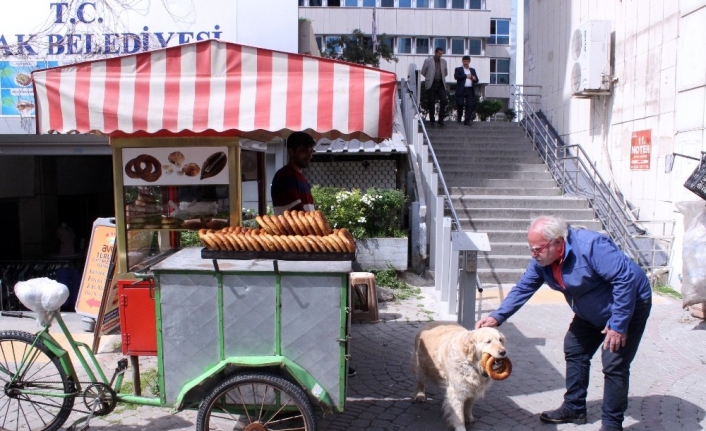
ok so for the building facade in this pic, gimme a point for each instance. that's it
(483, 29)
(657, 90)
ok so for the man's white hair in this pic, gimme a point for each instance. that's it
(551, 227)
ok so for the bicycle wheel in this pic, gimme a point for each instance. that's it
(256, 402)
(40, 374)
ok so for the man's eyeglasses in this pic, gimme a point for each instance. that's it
(537, 250)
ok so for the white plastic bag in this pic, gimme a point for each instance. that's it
(693, 288)
(42, 295)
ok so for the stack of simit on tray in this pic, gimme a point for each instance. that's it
(294, 231)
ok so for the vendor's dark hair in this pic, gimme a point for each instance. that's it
(300, 139)
(466, 57)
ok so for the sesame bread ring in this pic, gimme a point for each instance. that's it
(216, 240)
(292, 223)
(262, 224)
(291, 243)
(333, 244)
(152, 169)
(350, 245)
(246, 242)
(261, 242)
(272, 244)
(279, 227)
(236, 230)
(308, 230)
(238, 240)
(285, 225)
(314, 224)
(207, 242)
(497, 369)
(312, 243)
(281, 243)
(273, 226)
(329, 248)
(341, 246)
(230, 237)
(303, 242)
(300, 223)
(254, 244)
(224, 240)
(320, 242)
(322, 222)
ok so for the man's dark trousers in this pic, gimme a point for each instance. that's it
(581, 342)
(465, 100)
(437, 90)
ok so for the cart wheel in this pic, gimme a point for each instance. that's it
(36, 394)
(256, 402)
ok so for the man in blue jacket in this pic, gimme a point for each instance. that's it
(465, 77)
(611, 299)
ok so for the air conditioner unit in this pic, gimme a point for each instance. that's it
(590, 49)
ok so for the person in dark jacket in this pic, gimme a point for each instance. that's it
(465, 77)
(611, 298)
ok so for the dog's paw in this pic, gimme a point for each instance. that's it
(460, 428)
(420, 397)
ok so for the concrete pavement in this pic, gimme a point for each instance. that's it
(668, 385)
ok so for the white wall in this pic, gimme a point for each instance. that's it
(661, 81)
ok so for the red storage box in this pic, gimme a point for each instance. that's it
(138, 321)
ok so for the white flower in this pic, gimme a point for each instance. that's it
(361, 220)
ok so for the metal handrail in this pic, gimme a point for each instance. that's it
(447, 195)
(577, 175)
(455, 222)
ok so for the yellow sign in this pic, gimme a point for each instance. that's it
(97, 268)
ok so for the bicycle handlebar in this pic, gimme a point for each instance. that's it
(18, 314)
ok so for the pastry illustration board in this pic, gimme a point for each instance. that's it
(175, 166)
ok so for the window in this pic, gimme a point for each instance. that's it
(457, 4)
(440, 43)
(499, 70)
(368, 3)
(404, 45)
(475, 4)
(499, 32)
(387, 3)
(334, 3)
(314, 2)
(351, 3)
(319, 41)
(475, 47)
(333, 39)
(422, 3)
(457, 46)
(440, 4)
(422, 45)
(301, 2)
(387, 41)
(405, 3)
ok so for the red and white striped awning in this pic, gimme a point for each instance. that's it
(216, 87)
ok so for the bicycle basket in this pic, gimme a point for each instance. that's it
(696, 182)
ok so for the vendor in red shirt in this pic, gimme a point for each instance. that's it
(290, 190)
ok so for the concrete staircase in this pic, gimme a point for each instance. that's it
(498, 184)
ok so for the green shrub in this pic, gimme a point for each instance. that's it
(373, 214)
(486, 108)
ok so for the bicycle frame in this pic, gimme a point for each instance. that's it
(45, 338)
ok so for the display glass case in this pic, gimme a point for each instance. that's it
(168, 194)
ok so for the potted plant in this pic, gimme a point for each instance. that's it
(373, 217)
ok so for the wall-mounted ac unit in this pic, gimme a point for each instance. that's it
(590, 52)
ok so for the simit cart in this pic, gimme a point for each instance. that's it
(234, 332)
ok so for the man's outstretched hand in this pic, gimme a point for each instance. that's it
(486, 321)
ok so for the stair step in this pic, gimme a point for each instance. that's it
(504, 261)
(529, 213)
(480, 224)
(501, 276)
(458, 181)
(528, 202)
(505, 191)
(498, 248)
(460, 173)
(485, 159)
(480, 166)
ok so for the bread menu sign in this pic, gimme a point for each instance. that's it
(175, 166)
(98, 268)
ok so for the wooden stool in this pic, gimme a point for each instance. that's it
(364, 290)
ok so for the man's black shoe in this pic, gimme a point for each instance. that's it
(610, 428)
(468, 124)
(563, 415)
(351, 372)
(441, 122)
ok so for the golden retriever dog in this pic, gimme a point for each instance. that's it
(449, 356)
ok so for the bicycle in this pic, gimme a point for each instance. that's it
(41, 385)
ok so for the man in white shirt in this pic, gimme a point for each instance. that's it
(465, 95)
